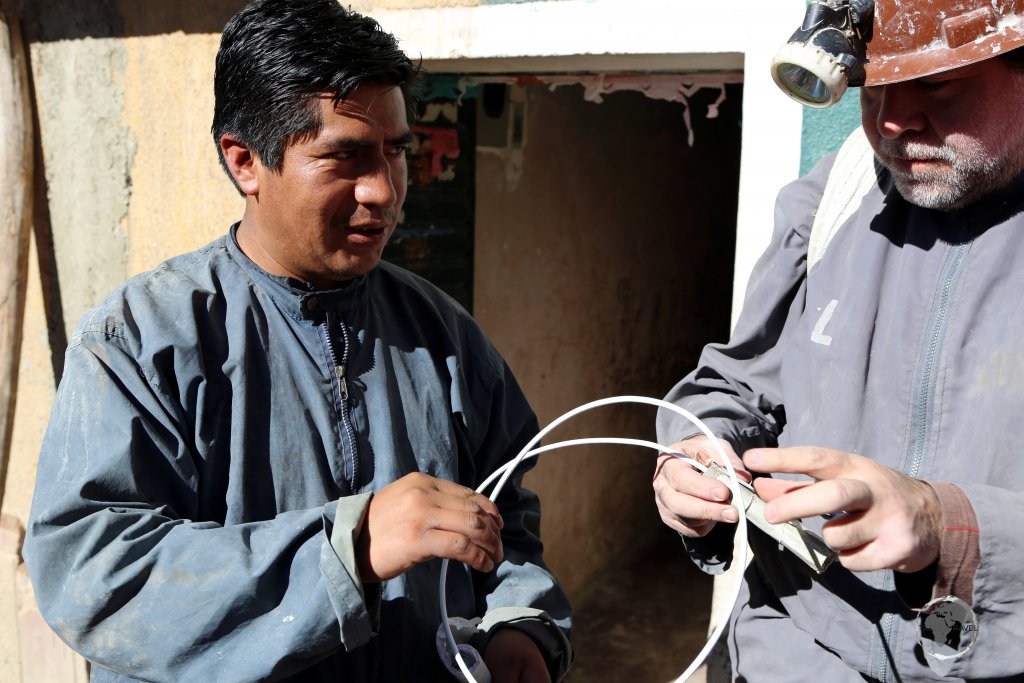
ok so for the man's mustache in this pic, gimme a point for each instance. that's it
(916, 151)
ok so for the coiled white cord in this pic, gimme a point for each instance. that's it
(505, 471)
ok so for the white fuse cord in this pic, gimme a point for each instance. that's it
(505, 471)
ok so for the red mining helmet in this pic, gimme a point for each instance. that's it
(864, 42)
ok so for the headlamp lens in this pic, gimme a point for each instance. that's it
(803, 84)
(826, 54)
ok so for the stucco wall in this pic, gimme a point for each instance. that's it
(603, 263)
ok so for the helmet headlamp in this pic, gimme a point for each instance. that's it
(826, 54)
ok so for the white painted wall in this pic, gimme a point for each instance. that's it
(644, 35)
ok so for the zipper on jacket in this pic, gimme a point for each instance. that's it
(921, 427)
(924, 405)
(339, 365)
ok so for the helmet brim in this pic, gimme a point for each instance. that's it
(883, 68)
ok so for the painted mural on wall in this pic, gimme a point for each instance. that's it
(434, 237)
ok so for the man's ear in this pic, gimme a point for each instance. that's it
(241, 163)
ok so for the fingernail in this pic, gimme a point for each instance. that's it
(769, 513)
(719, 494)
(730, 515)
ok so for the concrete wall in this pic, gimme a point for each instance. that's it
(603, 263)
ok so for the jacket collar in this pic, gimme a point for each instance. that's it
(297, 299)
(993, 209)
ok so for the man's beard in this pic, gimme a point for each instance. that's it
(972, 172)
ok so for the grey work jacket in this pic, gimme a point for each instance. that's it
(906, 345)
(211, 453)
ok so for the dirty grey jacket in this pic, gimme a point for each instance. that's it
(212, 450)
(906, 345)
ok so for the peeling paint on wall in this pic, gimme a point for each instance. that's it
(434, 237)
(440, 144)
(669, 87)
(433, 111)
(659, 87)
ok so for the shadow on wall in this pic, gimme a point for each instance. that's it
(48, 21)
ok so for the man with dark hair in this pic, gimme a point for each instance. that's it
(261, 451)
(877, 371)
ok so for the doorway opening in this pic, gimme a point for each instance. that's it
(589, 222)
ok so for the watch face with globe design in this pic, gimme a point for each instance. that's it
(949, 627)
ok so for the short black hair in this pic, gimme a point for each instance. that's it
(278, 57)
